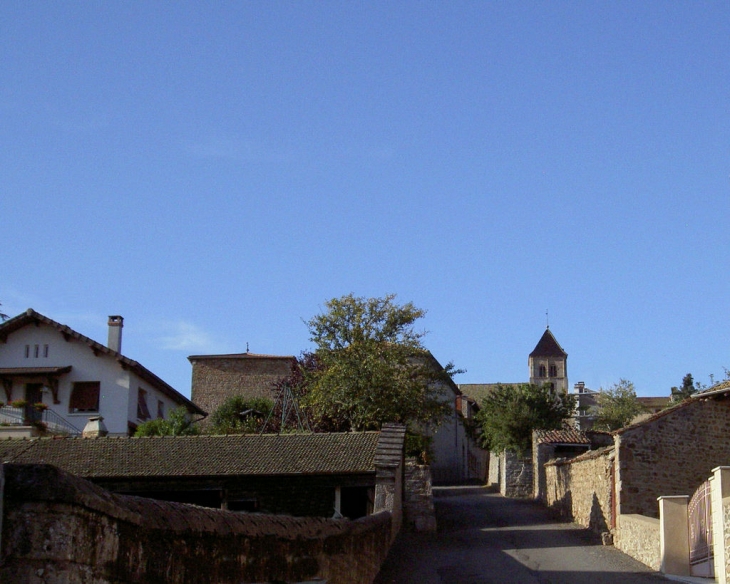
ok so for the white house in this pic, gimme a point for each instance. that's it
(75, 378)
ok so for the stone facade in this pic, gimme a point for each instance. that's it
(418, 510)
(671, 453)
(495, 465)
(59, 528)
(218, 377)
(638, 536)
(580, 489)
(516, 478)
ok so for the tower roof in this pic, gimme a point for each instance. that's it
(547, 346)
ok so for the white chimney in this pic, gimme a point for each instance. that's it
(116, 323)
(95, 428)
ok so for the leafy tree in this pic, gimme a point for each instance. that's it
(3, 316)
(178, 424)
(372, 367)
(241, 415)
(688, 388)
(510, 413)
(617, 406)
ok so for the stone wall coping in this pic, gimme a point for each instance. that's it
(720, 468)
(663, 497)
(635, 517)
(591, 454)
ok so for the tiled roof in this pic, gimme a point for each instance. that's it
(31, 316)
(547, 346)
(284, 454)
(478, 391)
(241, 356)
(564, 436)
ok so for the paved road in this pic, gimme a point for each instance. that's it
(484, 538)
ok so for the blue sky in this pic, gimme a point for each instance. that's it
(215, 171)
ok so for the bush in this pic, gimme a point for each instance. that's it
(241, 415)
(179, 424)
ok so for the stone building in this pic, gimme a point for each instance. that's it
(218, 377)
(548, 363)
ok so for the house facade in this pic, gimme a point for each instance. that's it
(65, 378)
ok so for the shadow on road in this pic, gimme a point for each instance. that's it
(485, 538)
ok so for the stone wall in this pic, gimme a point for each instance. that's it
(494, 467)
(60, 528)
(671, 454)
(215, 379)
(638, 536)
(580, 489)
(516, 478)
(418, 509)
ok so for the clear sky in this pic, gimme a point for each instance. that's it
(215, 171)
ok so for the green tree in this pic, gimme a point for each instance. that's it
(373, 367)
(688, 388)
(3, 316)
(241, 415)
(617, 406)
(178, 424)
(510, 413)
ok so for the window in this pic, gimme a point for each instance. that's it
(45, 351)
(160, 409)
(36, 351)
(553, 370)
(542, 371)
(143, 412)
(84, 397)
(27, 351)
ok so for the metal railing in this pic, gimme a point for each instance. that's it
(28, 415)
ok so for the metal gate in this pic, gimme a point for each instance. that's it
(701, 555)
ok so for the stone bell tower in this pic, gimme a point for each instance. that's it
(548, 363)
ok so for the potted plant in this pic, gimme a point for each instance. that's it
(40, 407)
(18, 403)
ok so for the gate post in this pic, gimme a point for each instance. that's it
(674, 535)
(720, 528)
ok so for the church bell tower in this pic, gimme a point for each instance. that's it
(548, 363)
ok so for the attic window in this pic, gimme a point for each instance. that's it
(84, 397)
(143, 412)
(160, 409)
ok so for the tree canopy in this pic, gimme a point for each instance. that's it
(617, 406)
(372, 367)
(510, 413)
(688, 388)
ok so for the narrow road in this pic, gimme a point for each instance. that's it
(484, 538)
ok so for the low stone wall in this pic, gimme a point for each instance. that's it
(579, 489)
(60, 528)
(516, 478)
(638, 536)
(418, 509)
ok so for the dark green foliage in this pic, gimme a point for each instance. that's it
(510, 413)
(241, 415)
(688, 388)
(3, 316)
(372, 367)
(179, 424)
(617, 406)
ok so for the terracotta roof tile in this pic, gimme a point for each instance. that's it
(564, 436)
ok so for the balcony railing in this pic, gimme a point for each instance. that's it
(28, 415)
